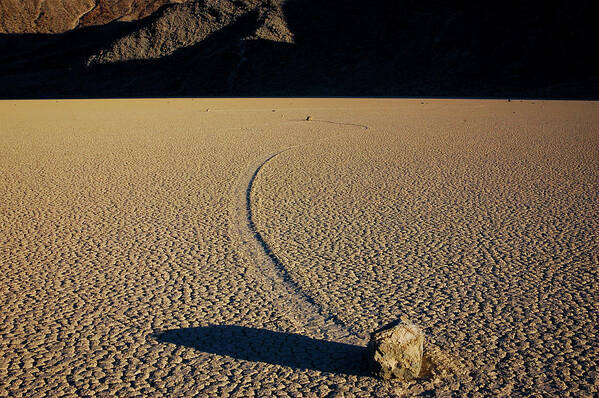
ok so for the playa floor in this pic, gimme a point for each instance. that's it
(230, 247)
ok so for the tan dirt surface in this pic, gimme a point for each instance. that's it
(221, 247)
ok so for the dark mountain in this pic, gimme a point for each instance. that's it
(57, 16)
(307, 48)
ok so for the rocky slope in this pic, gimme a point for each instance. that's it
(295, 48)
(56, 16)
(190, 24)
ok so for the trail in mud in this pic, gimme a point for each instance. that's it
(295, 304)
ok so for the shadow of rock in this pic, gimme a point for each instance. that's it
(277, 348)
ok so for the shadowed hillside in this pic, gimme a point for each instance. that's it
(57, 16)
(313, 48)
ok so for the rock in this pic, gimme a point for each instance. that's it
(395, 351)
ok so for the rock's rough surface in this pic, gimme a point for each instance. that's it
(395, 351)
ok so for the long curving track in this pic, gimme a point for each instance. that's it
(294, 302)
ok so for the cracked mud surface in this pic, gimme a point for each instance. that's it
(129, 265)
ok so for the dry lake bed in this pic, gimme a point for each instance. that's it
(230, 247)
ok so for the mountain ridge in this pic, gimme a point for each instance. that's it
(308, 48)
(56, 16)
